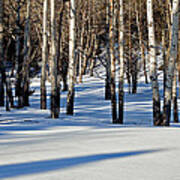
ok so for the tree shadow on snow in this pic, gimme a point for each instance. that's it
(27, 168)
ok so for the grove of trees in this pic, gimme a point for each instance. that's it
(63, 40)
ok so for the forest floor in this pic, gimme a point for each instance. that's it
(88, 146)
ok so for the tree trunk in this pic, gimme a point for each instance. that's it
(134, 65)
(153, 65)
(93, 59)
(174, 97)
(18, 58)
(7, 82)
(129, 63)
(44, 55)
(178, 60)
(166, 39)
(108, 62)
(25, 71)
(53, 66)
(171, 65)
(81, 55)
(121, 60)
(142, 47)
(59, 59)
(113, 62)
(70, 97)
(1, 56)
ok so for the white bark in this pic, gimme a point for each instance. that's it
(44, 54)
(113, 61)
(121, 60)
(153, 63)
(171, 63)
(71, 73)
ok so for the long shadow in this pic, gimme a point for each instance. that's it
(14, 170)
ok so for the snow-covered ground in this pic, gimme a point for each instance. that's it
(87, 146)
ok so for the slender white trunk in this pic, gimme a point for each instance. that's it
(70, 98)
(44, 55)
(171, 64)
(81, 45)
(153, 63)
(113, 61)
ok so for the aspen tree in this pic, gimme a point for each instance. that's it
(44, 54)
(129, 63)
(121, 60)
(108, 62)
(63, 45)
(94, 36)
(9, 93)
(169, 19)
(53, 66)
(171, 64)
(59, 52)
(142, 46)
(178, 59)
(81, 56)
(113, 61)
(18, 58)
(153, 64)
(89, 39)
(71, 73)
(4, 79)
(25, 70)
(134, 72)
(174, 96)
(1, 56)
(166, 38)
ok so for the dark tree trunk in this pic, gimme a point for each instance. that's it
(7, 82)
(19, 91)
(26, 92)
(134, 77)
(1, 56)
(1, 85)
(70, 103)
(174, 97)
(121, 103)
(108, 62)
